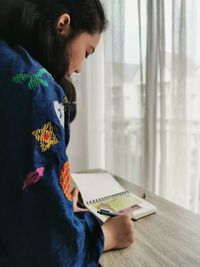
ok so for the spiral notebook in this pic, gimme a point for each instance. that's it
(102, 191)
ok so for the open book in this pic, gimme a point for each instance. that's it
(102, 191)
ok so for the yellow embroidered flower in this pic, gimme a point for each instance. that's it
(45, 136)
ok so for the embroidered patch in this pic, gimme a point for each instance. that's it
(65, 103)
(34, 80)
(66, 100)
(45, 137)
(33, 177)
(65, 179)
(59, 109)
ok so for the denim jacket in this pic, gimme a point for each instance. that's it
(38, 227)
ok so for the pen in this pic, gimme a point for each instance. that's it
(107, 212)
(144, 196)
(111, 214)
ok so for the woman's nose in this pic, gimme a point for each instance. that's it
(78, 69)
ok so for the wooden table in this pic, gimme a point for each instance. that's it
(169, 238)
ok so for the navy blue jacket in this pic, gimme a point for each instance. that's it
(38, 227)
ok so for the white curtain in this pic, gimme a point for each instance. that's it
(139, 99)
(86, 147)
(115, 122)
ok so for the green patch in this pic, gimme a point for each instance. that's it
(34, 80)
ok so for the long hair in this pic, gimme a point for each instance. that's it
(32, 24)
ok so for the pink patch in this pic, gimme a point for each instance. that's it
(40, 171)
(33, 177)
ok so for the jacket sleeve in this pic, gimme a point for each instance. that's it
(38, 226)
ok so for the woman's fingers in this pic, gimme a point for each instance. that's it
(74, 193)
(75, 197)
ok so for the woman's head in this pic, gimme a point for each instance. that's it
(86, 15)
(79, 47)
(52, 30)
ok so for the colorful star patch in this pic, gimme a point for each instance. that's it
(65, 179)
(34, 80)
(45, 137)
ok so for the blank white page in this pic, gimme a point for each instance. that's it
(95, 185)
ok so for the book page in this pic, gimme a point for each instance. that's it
(118, 203)
(96, 185)
(134, 205)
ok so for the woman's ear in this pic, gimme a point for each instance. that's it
(63, 25)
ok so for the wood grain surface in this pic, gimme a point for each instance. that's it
(169, 238)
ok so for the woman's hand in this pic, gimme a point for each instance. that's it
(77, 200)
(118, 232)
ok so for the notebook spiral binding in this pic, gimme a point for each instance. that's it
(97, 200)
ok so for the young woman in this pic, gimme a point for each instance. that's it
(41, 43)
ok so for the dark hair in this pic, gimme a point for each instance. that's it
(32, 24)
